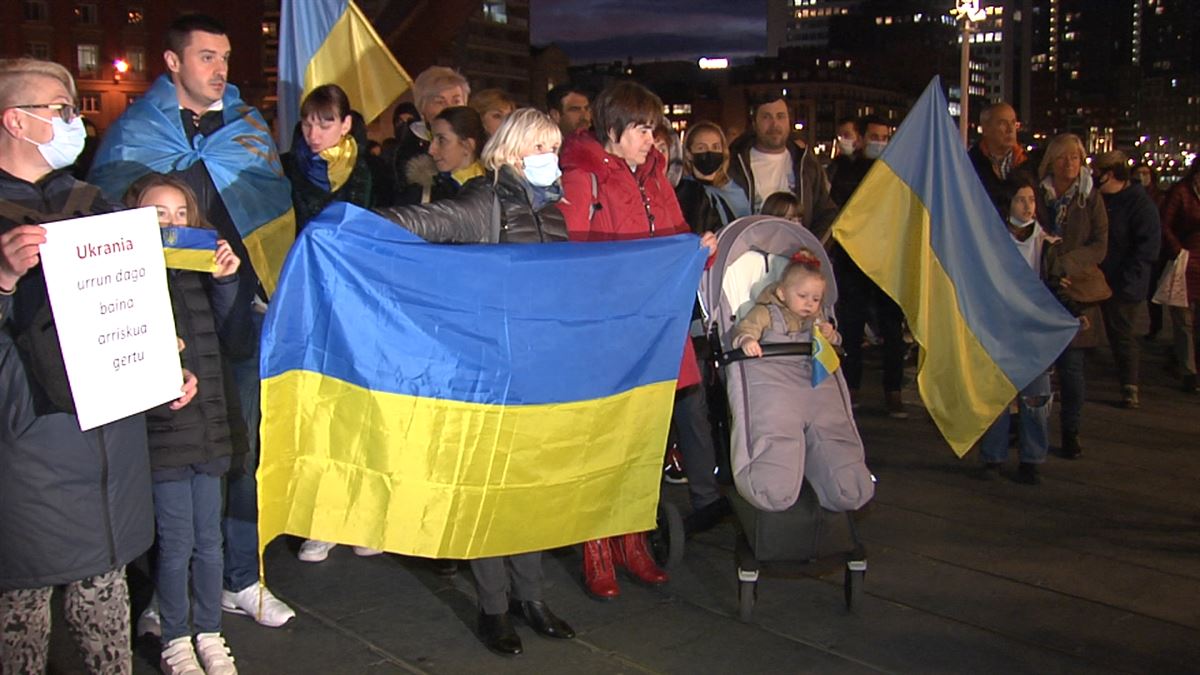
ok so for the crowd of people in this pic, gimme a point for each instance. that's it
(464, 167)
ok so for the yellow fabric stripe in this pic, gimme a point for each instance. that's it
(196, 260)
(355, 58)
(888, 237)
(447, 479)
(268, 247)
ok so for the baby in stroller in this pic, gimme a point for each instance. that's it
(797, 297)
(795, 426)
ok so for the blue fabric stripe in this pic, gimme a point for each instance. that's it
(189, 238)
(240, 156)
(363, 300)
(1008, 308)
(303, 27)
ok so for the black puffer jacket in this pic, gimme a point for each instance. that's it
(1134, 238)
(490, 209)
(211, 426)
(73, 504)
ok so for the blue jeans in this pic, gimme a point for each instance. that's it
(241, 489)
(187, 514)
(1071, 386)
(1034, 425)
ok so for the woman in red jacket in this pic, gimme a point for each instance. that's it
(615, 187)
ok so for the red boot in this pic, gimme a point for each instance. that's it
(599, 575)
(632, 552)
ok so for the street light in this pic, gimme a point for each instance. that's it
(967, 11)
(120, 67)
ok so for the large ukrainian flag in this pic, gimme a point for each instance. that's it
(922, 227)
(331, 42)
(468, 401)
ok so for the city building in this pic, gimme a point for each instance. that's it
(114, 48)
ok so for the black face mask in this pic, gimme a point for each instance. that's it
(707, 163)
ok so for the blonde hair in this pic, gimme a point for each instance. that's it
(524, 128)
(15, 75)
(721, 177)
(1059, 146)
(488, 100)
(433, 80)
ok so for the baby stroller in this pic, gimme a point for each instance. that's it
(752, 253)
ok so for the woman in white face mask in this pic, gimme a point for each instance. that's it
(515, 203)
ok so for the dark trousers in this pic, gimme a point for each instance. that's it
(1119, 316)
(857, 295)
(496, 579)
(693, 434)
(1071, 386)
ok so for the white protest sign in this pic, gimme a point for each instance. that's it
(107, 284)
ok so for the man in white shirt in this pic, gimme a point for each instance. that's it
(767, 159)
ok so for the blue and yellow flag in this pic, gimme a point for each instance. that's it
(922, 227)
(331, 42)
(190, 248)
(825, 361)
(468, 401)
(240, 157)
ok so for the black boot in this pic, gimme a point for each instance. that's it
(1028, 474)
(498, 634)
(1070, 446)
(539, 617)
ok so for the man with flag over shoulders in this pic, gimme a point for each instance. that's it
(76, 505)
(194, 125)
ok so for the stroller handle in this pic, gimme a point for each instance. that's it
(779, 349)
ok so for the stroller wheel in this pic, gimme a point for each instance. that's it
(747, 596)
(854, 583)
(666, 541)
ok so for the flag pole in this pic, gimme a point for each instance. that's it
(965, 80)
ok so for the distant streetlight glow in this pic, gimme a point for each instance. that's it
(713, 64)
(121, 65)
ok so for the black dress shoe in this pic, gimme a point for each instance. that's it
(539, 617)
(706, 517)
(498, 634)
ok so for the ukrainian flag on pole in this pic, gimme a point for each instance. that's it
(922, 227)
(468, 401)
(331, 42)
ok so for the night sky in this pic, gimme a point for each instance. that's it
(648, 30)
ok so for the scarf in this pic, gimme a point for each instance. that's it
(330, 168)
(1004, 165)
(1060, 203)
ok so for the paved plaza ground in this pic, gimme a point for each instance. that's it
(1096, 570)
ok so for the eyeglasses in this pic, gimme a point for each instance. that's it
(66, 111)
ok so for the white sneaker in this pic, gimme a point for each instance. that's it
(149, 623)
(214, 654)
(178, 658)
(315, 551)
(364, 552)
(246, 602)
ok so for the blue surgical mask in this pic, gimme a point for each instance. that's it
(874, 149)
(542, 170)
(64, 147)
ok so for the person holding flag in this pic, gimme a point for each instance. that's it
(194, 125)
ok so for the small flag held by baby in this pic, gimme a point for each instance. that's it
(825, 361)
(190, 248)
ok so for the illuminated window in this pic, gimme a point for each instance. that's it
(495, 11)
(270, 29)
(88, 58)
(89, 102)
(137, 59)
(134, 16)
